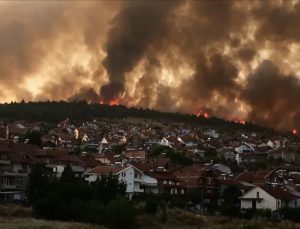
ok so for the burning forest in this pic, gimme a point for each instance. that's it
(236, 60)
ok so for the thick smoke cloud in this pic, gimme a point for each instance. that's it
(233, 59)
(49, 50)
(135, 28)
(273, 96)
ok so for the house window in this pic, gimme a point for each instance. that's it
(6, 181)
(209, 180)
(123, 174)
(19, 181)
(257, 195)
(135, 176)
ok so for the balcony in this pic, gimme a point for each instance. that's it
(138, 190)
(15, 174)
(139, 180)
(4, 162)
(8, 186)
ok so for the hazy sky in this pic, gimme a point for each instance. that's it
(233, 59)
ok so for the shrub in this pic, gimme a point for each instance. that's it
(291, 213)
(151, 206)
(120, 214)
(49, 207)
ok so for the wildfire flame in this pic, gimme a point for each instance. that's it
(115, 101)
(112, 102)
(239, 121)
(201, 113)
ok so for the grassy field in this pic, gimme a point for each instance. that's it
(181, 219)
(31, 223)
(16, 217)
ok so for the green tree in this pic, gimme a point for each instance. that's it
(33, 137)
(179, 158)
(67, 175)
(38, 183)
(108, 188)
(231, 206)
(161, 149)
(118, 148)
(77, 151)
(50, 207)
(120, 214)
(210, 155)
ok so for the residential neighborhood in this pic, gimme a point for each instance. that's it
(156, 157)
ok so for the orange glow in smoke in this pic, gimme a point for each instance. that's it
(115, 101)
(201, 113)
(239, 121)
(112, 102)
(196, 113)
(294, 131)
(242, 122)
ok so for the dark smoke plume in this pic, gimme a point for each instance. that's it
(233, 59)
(273, 96)
(134, 29)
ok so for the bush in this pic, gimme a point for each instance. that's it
(290, 213)
(120, 214)
(177, 201)
(70, 198)
(231, 204)
(163, 213)
(50, 206)
(151, 206)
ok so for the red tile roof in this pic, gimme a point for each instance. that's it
(105, 170)
(245, 176)
(280, 193)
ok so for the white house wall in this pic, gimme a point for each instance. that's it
(267, 202)
(128, 179)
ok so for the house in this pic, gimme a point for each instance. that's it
(105, 158)
(190, 175)
(164, 142)
(103, 145)
(244, 148)
(135, 154)
(226, 152)
(211, 134)
(286, 154)
(89, 161)
(134, 179)
(222, 168)
(245, 158)
(263, 177)
(15, 164)
(136, 141)
(56, 170)
(168, 183)
(266, 197)
(260, 177)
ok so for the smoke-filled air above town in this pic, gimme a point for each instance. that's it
(236, 60)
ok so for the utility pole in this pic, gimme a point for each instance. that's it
(202, 204)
